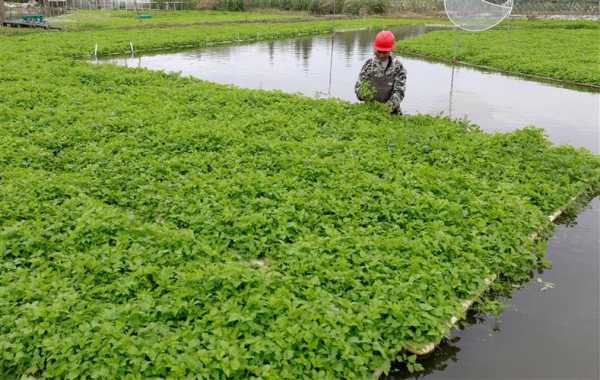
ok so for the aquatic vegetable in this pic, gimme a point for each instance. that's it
(94, 20)
(366, 91)
(159, 226)
(81, 44)
(555, 49)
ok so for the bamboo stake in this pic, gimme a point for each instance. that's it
(2, 14)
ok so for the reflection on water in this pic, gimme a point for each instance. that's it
(494, 101)
(302, 65)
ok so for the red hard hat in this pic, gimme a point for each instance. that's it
(385, 41)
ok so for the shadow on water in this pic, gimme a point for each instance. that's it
(550, 328)
(447, 352)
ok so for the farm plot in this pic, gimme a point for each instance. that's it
(159, 226)
(567, 51)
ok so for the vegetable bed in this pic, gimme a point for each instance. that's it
(155, 226)
(566, 51)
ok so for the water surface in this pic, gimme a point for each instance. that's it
(494, 101)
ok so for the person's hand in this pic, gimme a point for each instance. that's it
(390, 106)
(393, 109)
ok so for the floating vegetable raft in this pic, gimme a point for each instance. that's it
(557, 51)
(430, 347)
(158, 226)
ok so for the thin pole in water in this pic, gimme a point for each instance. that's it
(330, 66)
(451, 92)
(2, 13)
(331, 55)
(454, 63)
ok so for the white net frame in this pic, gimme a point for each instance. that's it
(477, 15)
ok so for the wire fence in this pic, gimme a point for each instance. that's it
(131, 4)
(50, 8)
(362, 7)
(521, 7)
(16, 11)
(583, 7)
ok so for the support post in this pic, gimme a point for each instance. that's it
(2, 15)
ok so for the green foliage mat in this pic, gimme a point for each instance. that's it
(82, 44)
(94, 20)
(154, 226)
(561, 50)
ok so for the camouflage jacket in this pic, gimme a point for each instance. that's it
(388, 80)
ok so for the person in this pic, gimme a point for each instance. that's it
(383, 77)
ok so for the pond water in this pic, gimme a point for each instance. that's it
(544, 334)
(494, 101)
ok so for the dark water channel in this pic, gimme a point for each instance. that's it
(551, 328)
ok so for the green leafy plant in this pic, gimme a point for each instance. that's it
(557, 50)
(366, 92)
(156, 226)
